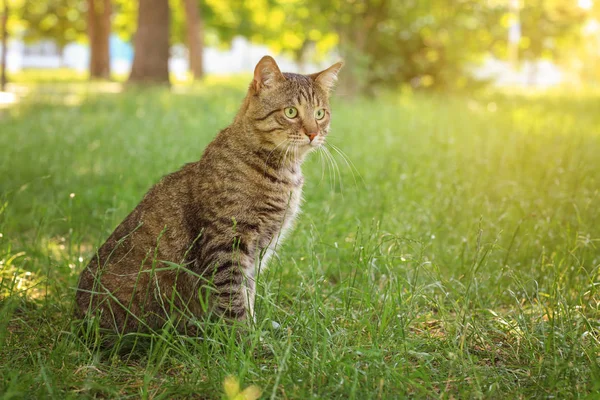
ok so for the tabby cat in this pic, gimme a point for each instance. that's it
(195, 243)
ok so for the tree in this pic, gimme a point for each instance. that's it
(151, 43)
(425, 43)
(4, 47)
(125, 18)
(62, 21)
(195, 37)
(549, 27)
(386, 43)
(299, 29)
(99, 12)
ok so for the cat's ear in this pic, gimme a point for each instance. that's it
(328, 77)
(266, 73)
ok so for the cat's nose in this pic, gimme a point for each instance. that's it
(311, 136)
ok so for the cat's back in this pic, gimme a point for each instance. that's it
(165, 219)
(155, 230)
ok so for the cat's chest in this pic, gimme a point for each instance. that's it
(280, 221)
(295, 201)
(290, 201)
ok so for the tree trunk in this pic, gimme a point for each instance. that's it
(151, 43)
(355, 47)
(4, 47)
(99, 12)
(195, 37)
(61, 54)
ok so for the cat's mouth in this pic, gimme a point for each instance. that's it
(310, 144)
(307, 143)
(318, 141)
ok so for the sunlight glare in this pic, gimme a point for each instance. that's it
(6, 99)
(585, 4)
(591, 27)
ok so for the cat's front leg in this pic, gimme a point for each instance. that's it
(235, 288)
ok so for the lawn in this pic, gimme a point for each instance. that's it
(452, 254)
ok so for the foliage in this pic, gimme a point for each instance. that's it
(430, 43)
(435, 42)
(283, 25)
(286, 26)
(462, 262)
(125, 18)
(425, 43)
(549, 27)
(63, 21)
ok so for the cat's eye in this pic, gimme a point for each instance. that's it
(290, 112)
(320, 113)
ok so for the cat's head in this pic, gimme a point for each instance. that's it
(285, 109)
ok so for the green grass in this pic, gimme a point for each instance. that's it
(459, 260)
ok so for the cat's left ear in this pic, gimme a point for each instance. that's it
(266, 73)
(328, 77)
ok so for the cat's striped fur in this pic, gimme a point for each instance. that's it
(219, 218)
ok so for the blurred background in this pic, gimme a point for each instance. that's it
(429, 44)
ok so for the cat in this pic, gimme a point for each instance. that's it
(194, 244)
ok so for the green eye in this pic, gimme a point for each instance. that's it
(320, 113)
(290, 112)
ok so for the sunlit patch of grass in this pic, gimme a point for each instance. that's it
(54, 75)
(13, 280)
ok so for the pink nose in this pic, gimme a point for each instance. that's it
(311, 136)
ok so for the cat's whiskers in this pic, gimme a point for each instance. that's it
(287, 149)
(292, 159)
(327, 164)
(327, 160)
(348, 162)
(296, 158)
(320, 153)
(336, 169)
(286, 141)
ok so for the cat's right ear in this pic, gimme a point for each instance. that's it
(266, 73)
(328, 77)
